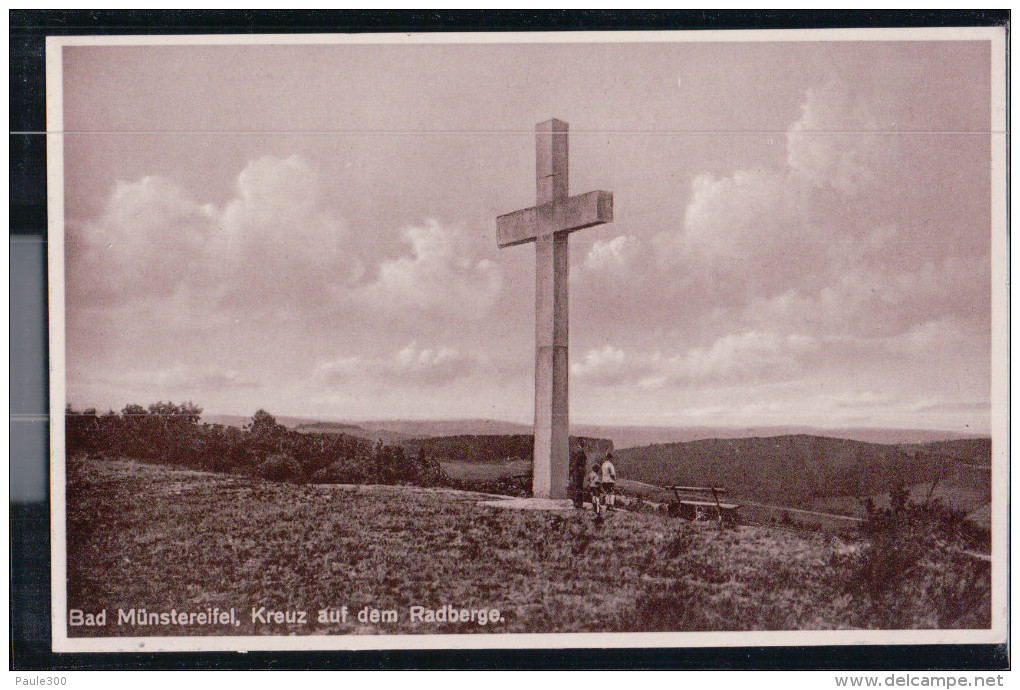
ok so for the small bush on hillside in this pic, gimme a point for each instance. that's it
(504, 486)
(915, 570)
(280, 468)
(343, 472)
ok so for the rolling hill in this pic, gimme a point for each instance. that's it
(789, 470)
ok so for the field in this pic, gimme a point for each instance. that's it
(162, 539)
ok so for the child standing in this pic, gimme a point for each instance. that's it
(608, 482)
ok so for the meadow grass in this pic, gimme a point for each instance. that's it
(142, 535)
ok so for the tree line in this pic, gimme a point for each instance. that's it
(173, 434)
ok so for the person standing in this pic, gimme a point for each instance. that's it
(593, 482)
(577, 466)
(608, 481)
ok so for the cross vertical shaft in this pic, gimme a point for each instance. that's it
(548, 224)
(552, 427)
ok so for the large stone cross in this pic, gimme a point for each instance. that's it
(548, 225)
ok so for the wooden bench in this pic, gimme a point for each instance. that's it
(692, 504)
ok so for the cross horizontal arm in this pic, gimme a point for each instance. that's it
(564, 215)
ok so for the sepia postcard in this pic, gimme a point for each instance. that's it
(511, 340)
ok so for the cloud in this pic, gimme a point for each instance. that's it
(830, 240)
(276, 244)
(612, 255)
(181, 381)
(742, 213)
(410, 365)
(834, 141)
(874, 300)
(931, 339)
(443, 274)
(279, 242)
(940, 405)
(148, 243)
(607, 366)
(277, 248)
(744, 234)
(764, 230)
(750, 358)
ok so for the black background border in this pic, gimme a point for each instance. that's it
(29, 522)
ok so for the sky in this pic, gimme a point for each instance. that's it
(802, 230)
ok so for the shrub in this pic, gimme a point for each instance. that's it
(345, 471)
(503, 486)
(914, 570)
(280, 468)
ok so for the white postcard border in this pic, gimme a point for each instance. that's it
(999, 360)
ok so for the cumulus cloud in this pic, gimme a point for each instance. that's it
(749, 357)
(148, 242)
(606, 366)
(275, 244)
(409, 365)
(612, 255)
(834, 142)
(744, 234)
(279, 241)
(817, 243)
(277, 247)
(442, 274)
(767, 229)
(741, 214)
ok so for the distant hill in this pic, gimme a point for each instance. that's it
(791, 470)
(486, 448)
(631, 436)
(422, 428)
(397, 430)
(240, 420)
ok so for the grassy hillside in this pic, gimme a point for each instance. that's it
(149, 536)
(790, 470)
